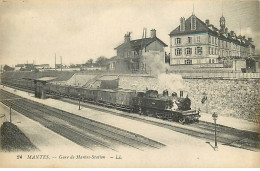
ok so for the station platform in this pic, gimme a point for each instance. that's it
(43, 138)
(178, 146)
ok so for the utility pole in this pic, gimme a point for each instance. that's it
(61, 63)
(55, 62)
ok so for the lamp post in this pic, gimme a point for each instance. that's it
(215, 116)
(79, 101)
(11, 113)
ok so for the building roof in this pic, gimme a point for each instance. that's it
(140, 43)
(202, 27)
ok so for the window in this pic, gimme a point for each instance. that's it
(209, 39)
(177, 41)
(210, 61)
(198, 50)
(188, 62)
(189, 39)
(198, 39)
(215, 51)
(188, 51)
(213, 61)
(178, 51)
(212, 40)
(209, 50)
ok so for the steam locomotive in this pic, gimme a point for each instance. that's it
(149, 102)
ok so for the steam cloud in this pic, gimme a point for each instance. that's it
(172, 82)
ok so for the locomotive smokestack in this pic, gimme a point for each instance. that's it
(181, 93)
(165, 93)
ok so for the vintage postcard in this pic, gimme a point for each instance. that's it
(129, 83)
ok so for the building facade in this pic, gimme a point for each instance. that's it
(198, 42)
(132, 55)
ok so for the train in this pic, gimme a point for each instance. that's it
(147, 102)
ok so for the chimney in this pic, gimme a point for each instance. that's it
(207, 22)
(226, 30)
(232, 33)
(153, 33)
(127, 37)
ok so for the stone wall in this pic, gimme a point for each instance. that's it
(235, 98)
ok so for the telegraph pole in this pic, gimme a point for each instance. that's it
(61, 63)
(55, 62)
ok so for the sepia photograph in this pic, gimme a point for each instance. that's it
(129, 83)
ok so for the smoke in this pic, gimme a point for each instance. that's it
(171, 82)
(155, 63)
(166, 81)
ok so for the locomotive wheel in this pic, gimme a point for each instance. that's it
(157, 115)
(140, 110)
(182, 120)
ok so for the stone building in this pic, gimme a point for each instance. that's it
(132, 54)
(195, 42)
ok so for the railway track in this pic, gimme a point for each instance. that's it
(204, 130)
(85, 132)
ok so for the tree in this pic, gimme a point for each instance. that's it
(101, 61)
(90, 61)
(8, 68)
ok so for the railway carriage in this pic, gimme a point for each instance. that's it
(74, 92)
(53, 88)
(47, 88)
(90, 94)
(124, 99)
(63, 90)
(106, 97)
(30, 84)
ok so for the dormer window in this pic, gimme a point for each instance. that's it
(193, 22)
(182, 24)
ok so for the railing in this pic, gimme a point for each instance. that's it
(220, 75)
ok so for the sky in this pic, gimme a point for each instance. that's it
(77, 30)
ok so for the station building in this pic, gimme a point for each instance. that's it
(197, 42)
